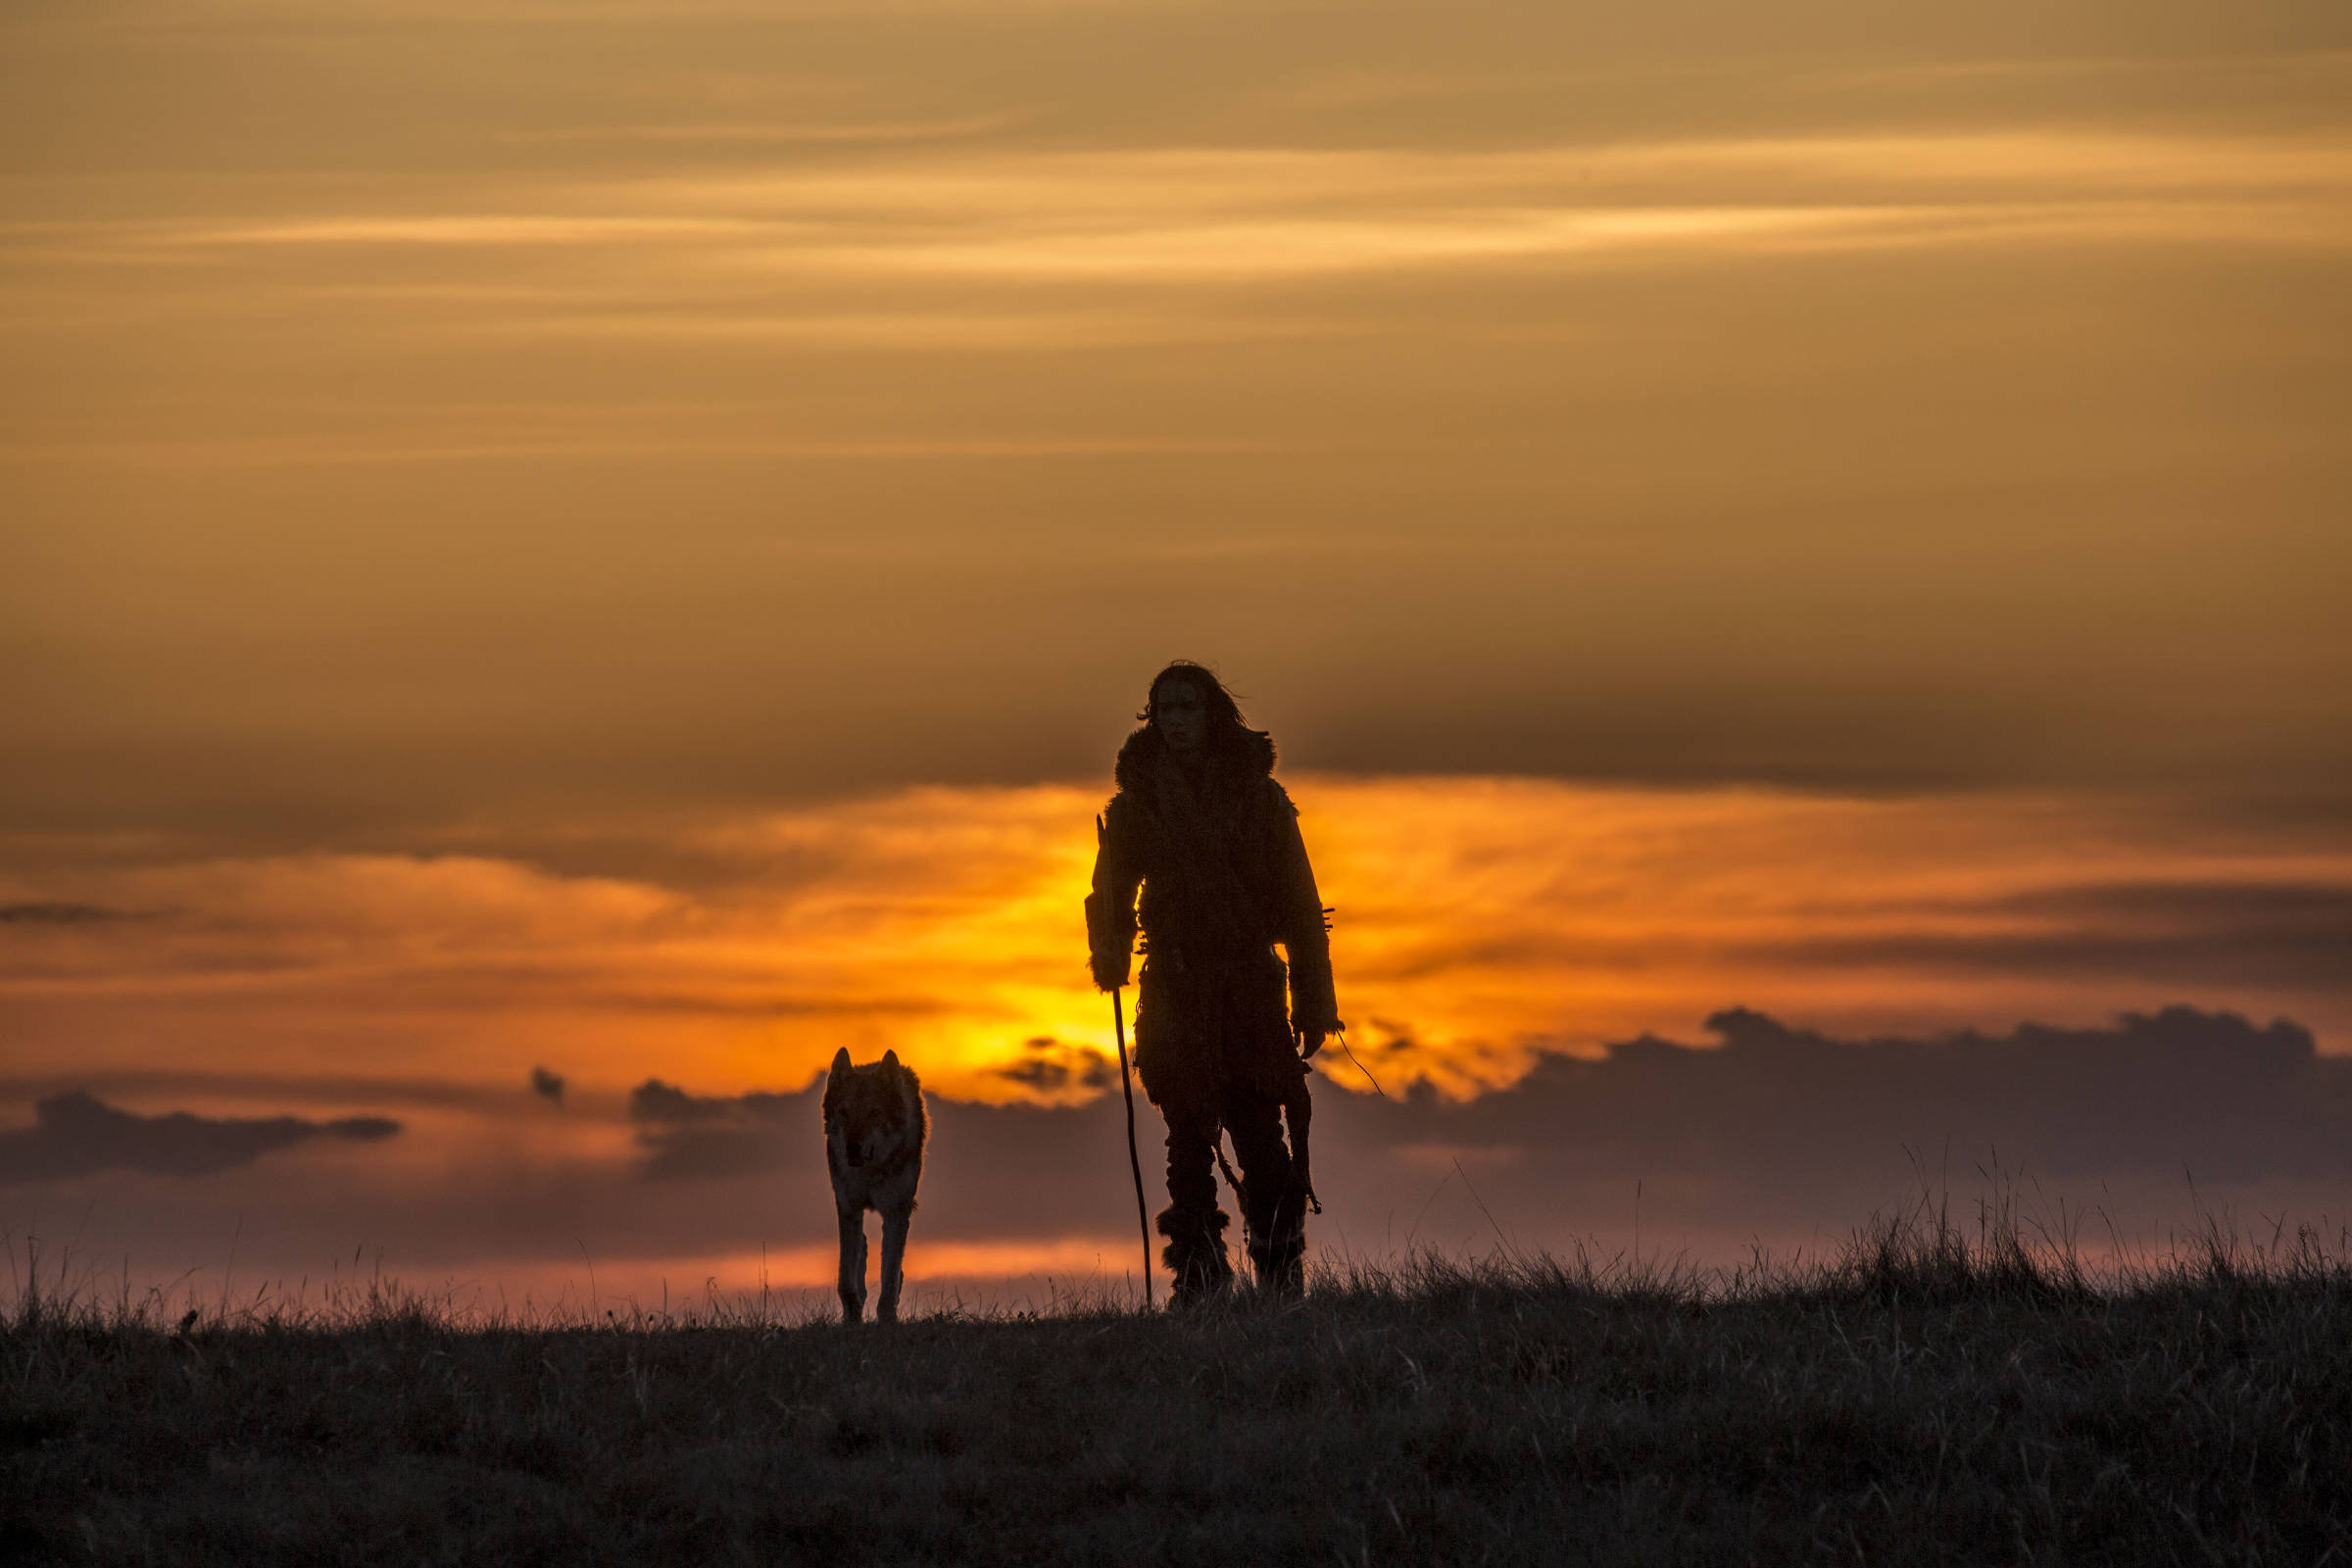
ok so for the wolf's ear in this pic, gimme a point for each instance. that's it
(890, 1060)
(841, 1061)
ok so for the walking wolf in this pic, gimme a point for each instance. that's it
(874, 1133)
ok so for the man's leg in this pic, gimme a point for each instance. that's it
(1273, 1200)
(1261, 1065)
(1192, 1223)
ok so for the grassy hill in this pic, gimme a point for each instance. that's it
(1927, 1397)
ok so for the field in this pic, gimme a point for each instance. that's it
(1928, 1397)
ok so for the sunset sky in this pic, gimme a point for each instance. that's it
(621, 539)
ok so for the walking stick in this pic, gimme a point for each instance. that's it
(1119, 1024)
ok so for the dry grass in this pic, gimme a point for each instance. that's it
(1930, 1395)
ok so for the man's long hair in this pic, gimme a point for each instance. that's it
(1226, 725)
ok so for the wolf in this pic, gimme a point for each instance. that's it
(875, 1129)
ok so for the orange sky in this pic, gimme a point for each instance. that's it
(410, 409)
(622, 537)
(1479, 921)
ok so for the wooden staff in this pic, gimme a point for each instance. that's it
(1119, 1024)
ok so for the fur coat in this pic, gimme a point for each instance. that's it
(1223, 870)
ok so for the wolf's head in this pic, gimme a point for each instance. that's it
(872, 1114)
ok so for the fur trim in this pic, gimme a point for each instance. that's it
(1146, 753)
(1176, 1223)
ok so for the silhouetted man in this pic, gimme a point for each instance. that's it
(1200, 825)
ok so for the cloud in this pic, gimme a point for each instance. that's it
(1051, 1067)
(661, 1105)
(2152, 1091)
(1778, 1128)
(75, 1134)
(1770, 1131)
(2289, 934)
(711, 1136)
(546, 1085)
(321, 1089)
(1162, 216)
(64, 913)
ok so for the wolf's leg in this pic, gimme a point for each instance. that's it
(852, 1264)
(894, 1257)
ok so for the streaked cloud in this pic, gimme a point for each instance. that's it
(816, 131)
(64, 913)
(1235, 214)
(487, 230)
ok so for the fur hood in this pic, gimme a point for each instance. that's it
(1146, 753)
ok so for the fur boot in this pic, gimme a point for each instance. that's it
(1195, 1253)
(1274, 1236)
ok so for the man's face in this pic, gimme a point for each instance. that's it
(1182, 717)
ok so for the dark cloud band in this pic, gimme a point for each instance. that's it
(66, 913)
(77, 1134)
(2296, 935)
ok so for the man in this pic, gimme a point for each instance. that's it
(1200, 825)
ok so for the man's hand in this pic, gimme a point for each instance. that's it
(1310, 1041)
